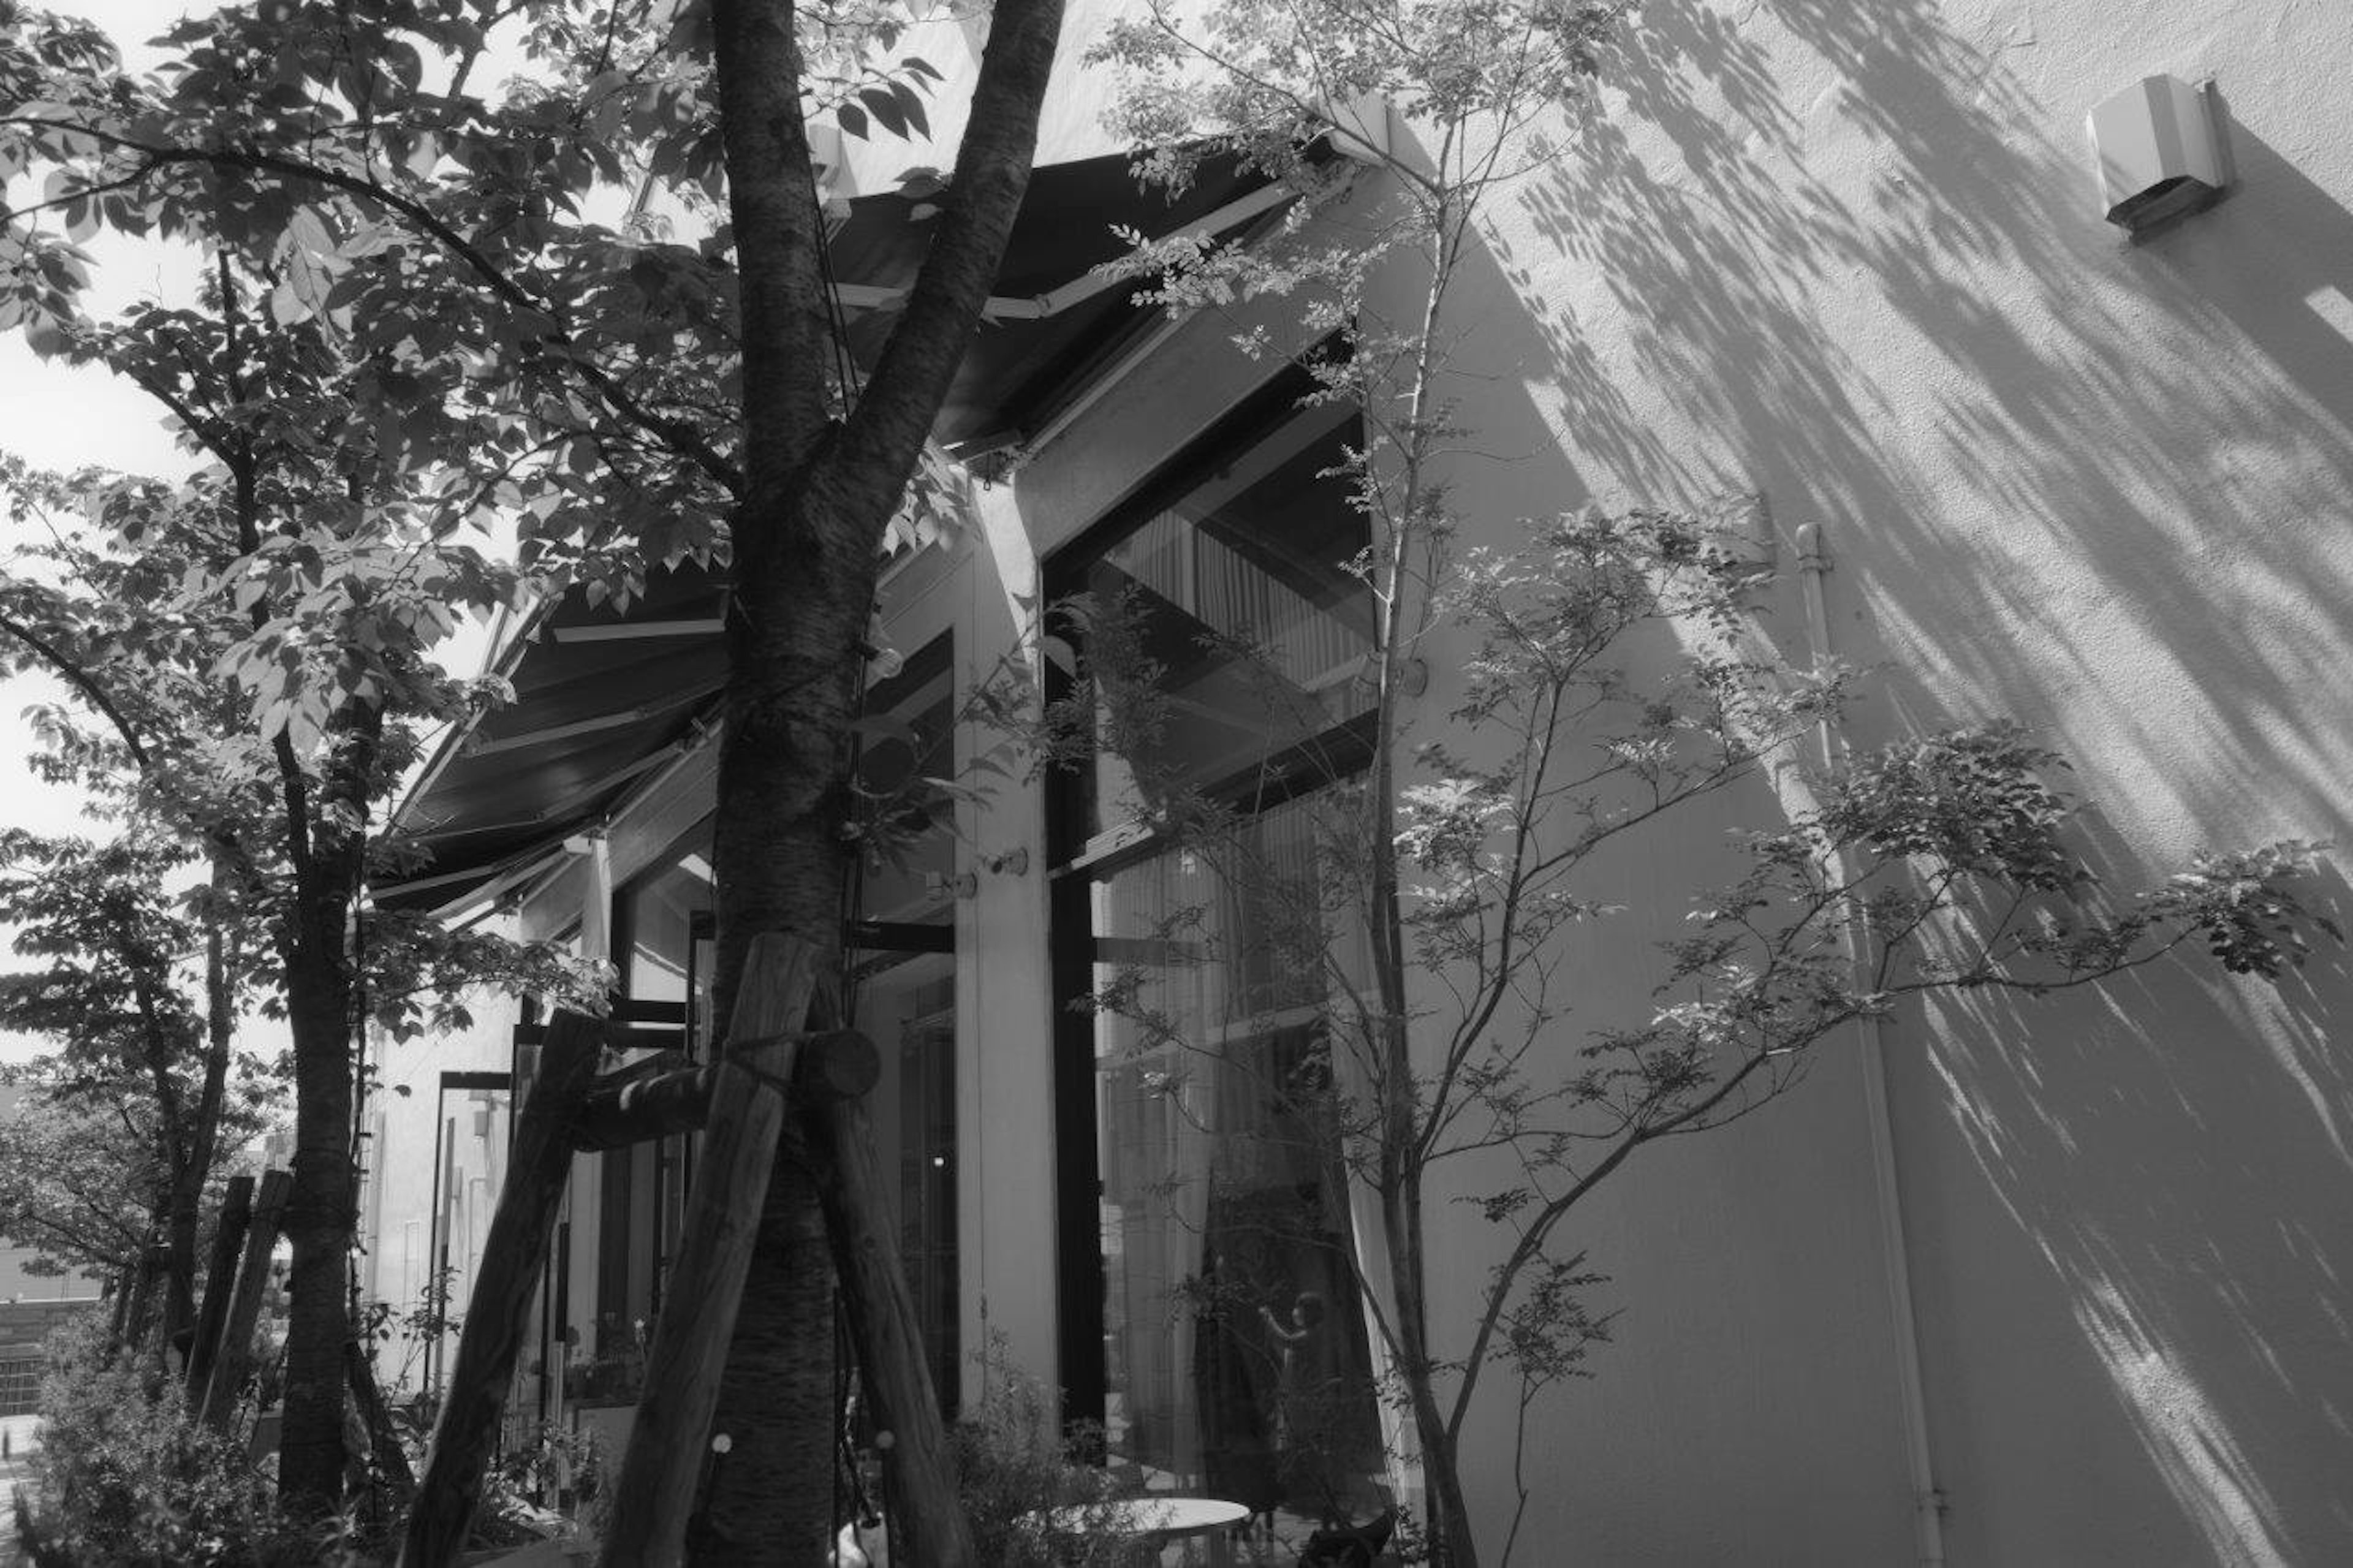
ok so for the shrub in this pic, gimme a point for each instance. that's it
(125, 1476)
(1031, 1504)
(573, 1464)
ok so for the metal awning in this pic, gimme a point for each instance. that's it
(1050, 321)
(604, 699)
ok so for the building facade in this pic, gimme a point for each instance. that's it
(2067, 1288)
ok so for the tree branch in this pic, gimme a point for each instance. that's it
(680, 438)
(885, 432)
(82, 681)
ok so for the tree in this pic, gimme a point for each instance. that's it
(1427, 902)
(255, 656)
(141, 1085)
(78, 1184)
(656, 397)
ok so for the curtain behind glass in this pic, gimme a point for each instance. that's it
(1238, 1357)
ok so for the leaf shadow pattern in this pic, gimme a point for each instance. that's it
(1850, 257)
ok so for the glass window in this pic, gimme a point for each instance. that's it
(1234, 1356)
(1239, 1360)
(663, 912)
(904, 970)
(474, 1128)
(1234, 580)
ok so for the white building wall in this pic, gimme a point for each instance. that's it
(1756, 1358)
(1852, 257)
(409, 1139)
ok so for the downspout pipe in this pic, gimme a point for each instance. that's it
(1927, 1498)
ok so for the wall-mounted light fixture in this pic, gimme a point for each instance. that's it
(2161, 152)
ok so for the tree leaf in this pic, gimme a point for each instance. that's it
(884, 106)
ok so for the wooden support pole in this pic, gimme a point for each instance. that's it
(133, 1334)
(498, 1318)
(616, 1116)
(661, 1105)
(863, 1230)
(660, 1471)
(115, 1326)
(233, 1363)
(220, 1274)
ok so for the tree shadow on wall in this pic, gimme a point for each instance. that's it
(2185, 1192)
(1845, 256)
(1965, 251)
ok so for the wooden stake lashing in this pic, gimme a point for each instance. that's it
(498, 1316)
(233, 1361)
(220, 1278)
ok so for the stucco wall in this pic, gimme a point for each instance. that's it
(1852, 257)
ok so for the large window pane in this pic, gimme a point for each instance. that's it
(1236, 1354)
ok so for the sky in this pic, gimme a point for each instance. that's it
(62, 417)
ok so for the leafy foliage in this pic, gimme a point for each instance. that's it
(78, 1186)
(509, 343)
(126, 1475)
(125, 1128)
(485, 315)
(1032, 1500)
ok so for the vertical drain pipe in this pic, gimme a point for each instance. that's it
(1927, 1499)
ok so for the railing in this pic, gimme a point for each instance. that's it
(20, 1386)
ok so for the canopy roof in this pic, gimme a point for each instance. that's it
(1049, 322)
(604, 698)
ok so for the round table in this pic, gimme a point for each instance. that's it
(1159, 1517)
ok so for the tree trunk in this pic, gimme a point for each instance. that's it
(803, 585)
(132, 1336)
(818, 496)
(180, 1221)
(783, 865)
(771, 1498)
(202, 1144)
(782, 860)
(327, 851)
(1452, 1545)
(676, 1420)
(319, 1218)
